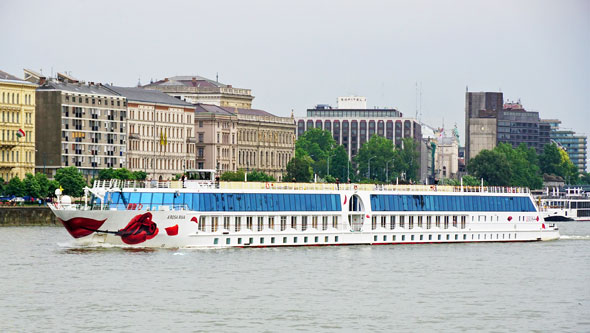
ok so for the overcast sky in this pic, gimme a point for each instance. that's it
(296, 54)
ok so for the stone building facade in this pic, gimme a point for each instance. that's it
(17, 117)
(161, 133)
(82, 125)
(230, 139)
(200, 90)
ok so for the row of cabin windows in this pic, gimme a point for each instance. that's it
(259, 223)
(390, 222)
(384, 238)
(450, 203)
(261, 240)
(209, 202)
(439, 237)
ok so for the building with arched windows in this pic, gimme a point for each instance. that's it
(352, 124)
(17, 116)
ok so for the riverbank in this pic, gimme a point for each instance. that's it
(27, 216)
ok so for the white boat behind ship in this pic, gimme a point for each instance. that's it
(205, 214)
(572, 204)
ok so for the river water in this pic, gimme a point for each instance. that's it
(45, 285)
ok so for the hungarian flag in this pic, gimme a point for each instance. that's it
(20, 133)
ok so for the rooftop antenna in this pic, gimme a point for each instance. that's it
(416, 97)
(466, 88)
(138, 82)
(420, 115)
(217, 77)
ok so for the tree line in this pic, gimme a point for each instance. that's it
(522, 166)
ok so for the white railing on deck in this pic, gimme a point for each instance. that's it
(191, 184)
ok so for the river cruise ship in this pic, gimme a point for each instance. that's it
(208, 214)
(572, 204)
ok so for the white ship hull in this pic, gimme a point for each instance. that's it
(167, 227)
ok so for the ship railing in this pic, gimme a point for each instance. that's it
(136, 207)
(192, 184)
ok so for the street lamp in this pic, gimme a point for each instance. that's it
(370, 166)
(387, 170)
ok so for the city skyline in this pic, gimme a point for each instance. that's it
(294, 56)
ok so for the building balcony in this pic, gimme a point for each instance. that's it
(134, 136)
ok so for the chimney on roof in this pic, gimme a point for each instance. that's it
(166, 79)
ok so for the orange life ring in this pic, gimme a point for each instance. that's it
(356, 187)
(267, 186)
(139, 206)
(131, 206)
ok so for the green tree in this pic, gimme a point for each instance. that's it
(259, 176)
(31, 186)
(230, 176)
(15, 187)
(53, 185)
(139, 175)
(106, 174)
(524, 165)
(124, 174)
(492, 166)
(2, 186)
(299, 169)
(377, 152)
(43, 185)
(409, 159)
(71, 180)
(316, 143)
(470, 181)
(555, 161)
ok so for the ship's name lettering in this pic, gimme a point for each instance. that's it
(176, 217)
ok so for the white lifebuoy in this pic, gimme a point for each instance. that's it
(356, 187)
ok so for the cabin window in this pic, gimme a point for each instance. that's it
(383, 222)
(305, 239)
(260, 223)
(214, 223)
(249, 222)
(261, 240)
(272, 240)
(403, 238)
(421, 237)
(456, 237)
(227, 241)
(250, 240)
(314, 222)
(335, 222)
(284, 240)
(438, 237)
(271, 222)
(385, 238)
(419, 221)
(374, 238)
(411, 222)
(238, 223)
(325, 239)
(412, 237)
(303, 223)
(336, 239)
(438, 222)
(294, 222)
(393, 238)
(203, 223)
(454, 221)
(446, 222)
(402, 222)
(216, 241)
(463, 221)
(324, 223)
(226, 222)
(316, 239)
(283, 223)
(239, 240)
(429, 237)
(374, 222)
(392, 222)
(464, 237)
(448, 237)
(428, 222)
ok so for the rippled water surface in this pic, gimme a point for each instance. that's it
(48, 286)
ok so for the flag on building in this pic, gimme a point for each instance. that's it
(161, 139)
(20, 133)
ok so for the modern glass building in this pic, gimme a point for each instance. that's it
(576, 146)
